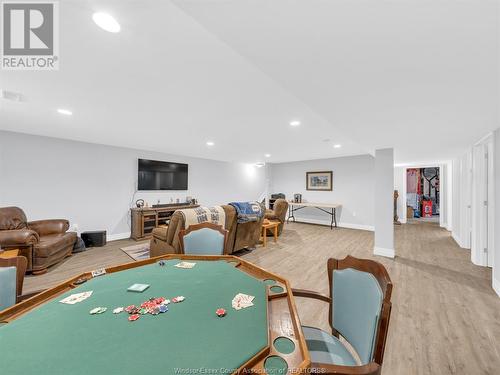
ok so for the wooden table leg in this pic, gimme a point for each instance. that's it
(264, 236)
(276, 233)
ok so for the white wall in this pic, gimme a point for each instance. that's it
(93, 185)
(462, 199)
(353, 187)
(468, 201)
(400, 186)
(446, 195)
(384, 203)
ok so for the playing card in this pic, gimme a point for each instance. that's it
(242, 301)
(98, 272)
(185, 265)
(75, 298)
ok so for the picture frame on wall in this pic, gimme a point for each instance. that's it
(319, 181)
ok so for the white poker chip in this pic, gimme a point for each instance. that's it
(166, 302)
(118, 310)
(178, 299)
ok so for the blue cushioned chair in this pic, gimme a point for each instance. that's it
(12, 272)
(203, 239)
(360, 308)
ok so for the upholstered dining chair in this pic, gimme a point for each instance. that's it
(203, 239)
(360, 308)
(12, 272)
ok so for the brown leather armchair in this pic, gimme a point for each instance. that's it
(42, 242)
(239, 236)
(278, 212)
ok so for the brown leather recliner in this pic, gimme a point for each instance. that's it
(42, 242)
(240, 236)
(278, 212)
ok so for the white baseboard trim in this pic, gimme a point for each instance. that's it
(388, 253)
(457, 239)
(327, 223)
(117, 236)
(496, 286)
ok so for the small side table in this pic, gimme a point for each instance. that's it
(273, 224)
(12, 253)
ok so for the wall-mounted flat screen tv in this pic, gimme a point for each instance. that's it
(162, 175)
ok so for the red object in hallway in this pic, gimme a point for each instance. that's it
(426, 208)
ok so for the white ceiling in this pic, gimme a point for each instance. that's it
(417, 75)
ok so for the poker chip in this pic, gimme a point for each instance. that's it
(133, 317)
(220, 312)
(155, 311)
(98, 310)
(130, 308)
(153, 306)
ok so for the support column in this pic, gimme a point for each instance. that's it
(384, 204)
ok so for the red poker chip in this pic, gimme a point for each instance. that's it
(129, 308)
(220, 312)
(133, 317)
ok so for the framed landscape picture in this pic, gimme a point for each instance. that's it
(321, 181)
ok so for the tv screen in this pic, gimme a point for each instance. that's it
(162, 175)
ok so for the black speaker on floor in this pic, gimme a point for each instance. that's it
(96, 238)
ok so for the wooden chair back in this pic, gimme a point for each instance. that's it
(199, 226)
(381, 275)
(21, 263)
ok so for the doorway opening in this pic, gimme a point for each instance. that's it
(423, 194)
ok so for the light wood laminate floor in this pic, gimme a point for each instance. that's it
(445, 317)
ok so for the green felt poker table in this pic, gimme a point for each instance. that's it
(44, 336)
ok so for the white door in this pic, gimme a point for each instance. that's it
(490, 209)
(482, 204)
(479, 241)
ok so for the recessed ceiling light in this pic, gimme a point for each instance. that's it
(66, 112)
(106, 22)
(337, 146)
(294, 123)
(210, 143)
(267, 155)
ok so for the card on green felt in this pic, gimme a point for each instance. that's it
(139, 288)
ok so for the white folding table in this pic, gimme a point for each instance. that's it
(329, 208)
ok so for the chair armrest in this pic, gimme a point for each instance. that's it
(18, 237)
(310, 294)
(44, 227)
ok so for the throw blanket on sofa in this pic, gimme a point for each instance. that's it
(248, 211)
(215, 215)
